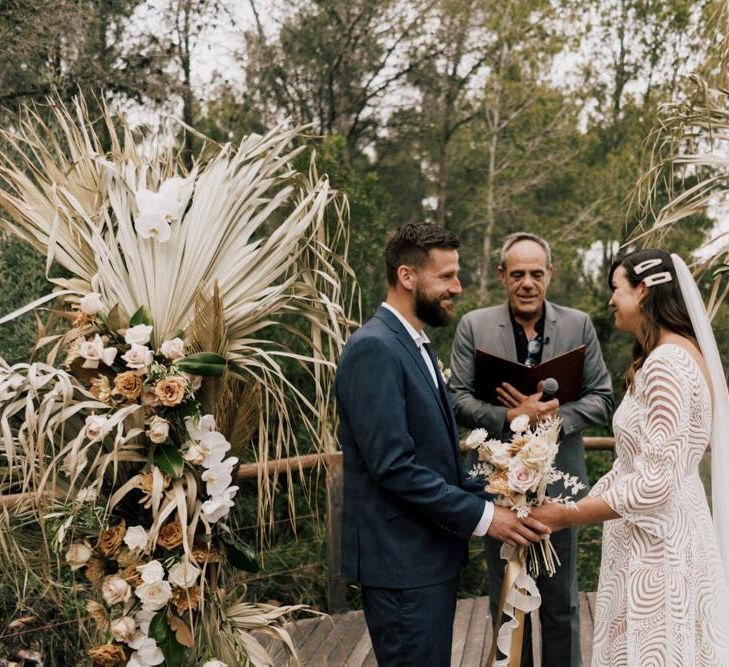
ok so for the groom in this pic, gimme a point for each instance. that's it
(409, 507)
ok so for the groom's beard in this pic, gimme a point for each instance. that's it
(430, 311)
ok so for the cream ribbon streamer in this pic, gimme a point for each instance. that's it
(519, 596)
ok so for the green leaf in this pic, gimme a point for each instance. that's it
(169, 460)
(203, 363)
(142, 316)
(158, 628)
(173, 651)
(239, 554)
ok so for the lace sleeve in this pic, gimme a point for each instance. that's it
(646, 495)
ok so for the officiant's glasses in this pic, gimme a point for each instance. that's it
(534, 347)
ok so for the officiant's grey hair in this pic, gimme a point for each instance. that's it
(516, 237)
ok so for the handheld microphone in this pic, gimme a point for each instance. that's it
(550, 387)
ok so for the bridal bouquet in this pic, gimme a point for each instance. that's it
(518, 473)
(120, 449)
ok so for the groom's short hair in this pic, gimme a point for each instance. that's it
(411, 243)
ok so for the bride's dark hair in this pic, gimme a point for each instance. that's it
(662, 307)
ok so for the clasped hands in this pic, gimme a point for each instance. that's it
(526, 404)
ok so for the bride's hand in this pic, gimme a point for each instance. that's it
(554, 515)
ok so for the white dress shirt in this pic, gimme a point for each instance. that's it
(420, 340)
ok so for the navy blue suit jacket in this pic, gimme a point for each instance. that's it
(409, 506)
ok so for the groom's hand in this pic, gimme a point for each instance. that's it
(507, 527)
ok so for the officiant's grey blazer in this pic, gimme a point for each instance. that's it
(490, 330)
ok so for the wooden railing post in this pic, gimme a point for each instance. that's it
(336, 586)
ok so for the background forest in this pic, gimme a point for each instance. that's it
(487, 117)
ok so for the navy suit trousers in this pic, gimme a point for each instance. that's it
(411, 627)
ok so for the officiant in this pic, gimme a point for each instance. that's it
(531, 330)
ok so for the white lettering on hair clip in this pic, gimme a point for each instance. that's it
(647, 264)
(658, 279)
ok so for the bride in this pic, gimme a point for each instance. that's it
(663, 596)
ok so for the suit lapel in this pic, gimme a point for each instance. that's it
(549, 346)
(406, 340)
(508, 345)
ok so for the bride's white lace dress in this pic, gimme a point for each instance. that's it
(662, 597)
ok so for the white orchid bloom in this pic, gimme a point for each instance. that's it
(219, 476)
(158, 210)
(93, 352)
(147, 653)
(218, 507)
(214, 446)
(196, 429)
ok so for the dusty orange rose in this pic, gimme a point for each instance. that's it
(170, 535)
(81, 319)
(99, 614)
(185, 599)
(202, 554)
(128, 385)
(499, 485)
(110, 541)
(95, 571)
(171, 390)
(107, 655)
(517, 444)
(131, 575)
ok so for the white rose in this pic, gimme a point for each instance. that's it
(91, 303)
(219, 506)
(499, 453)
(173, 349)
(538, 453)
(519, 424)
(138, 357)
(78, 555)
(151, 572)
(159, 429)
(214, 663)
(476, 438)
(115, 590)
(195, 454)
(197, 428)
(147, 653)
(183, 574)
(96, 427)
(219, 476)
(138, 335)
(136, 538)
(123, 629)
(93, 351)
(154, 596)
(521, 477)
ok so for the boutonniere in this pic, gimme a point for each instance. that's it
(445, 373)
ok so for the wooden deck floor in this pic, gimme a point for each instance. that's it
(343, 641)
